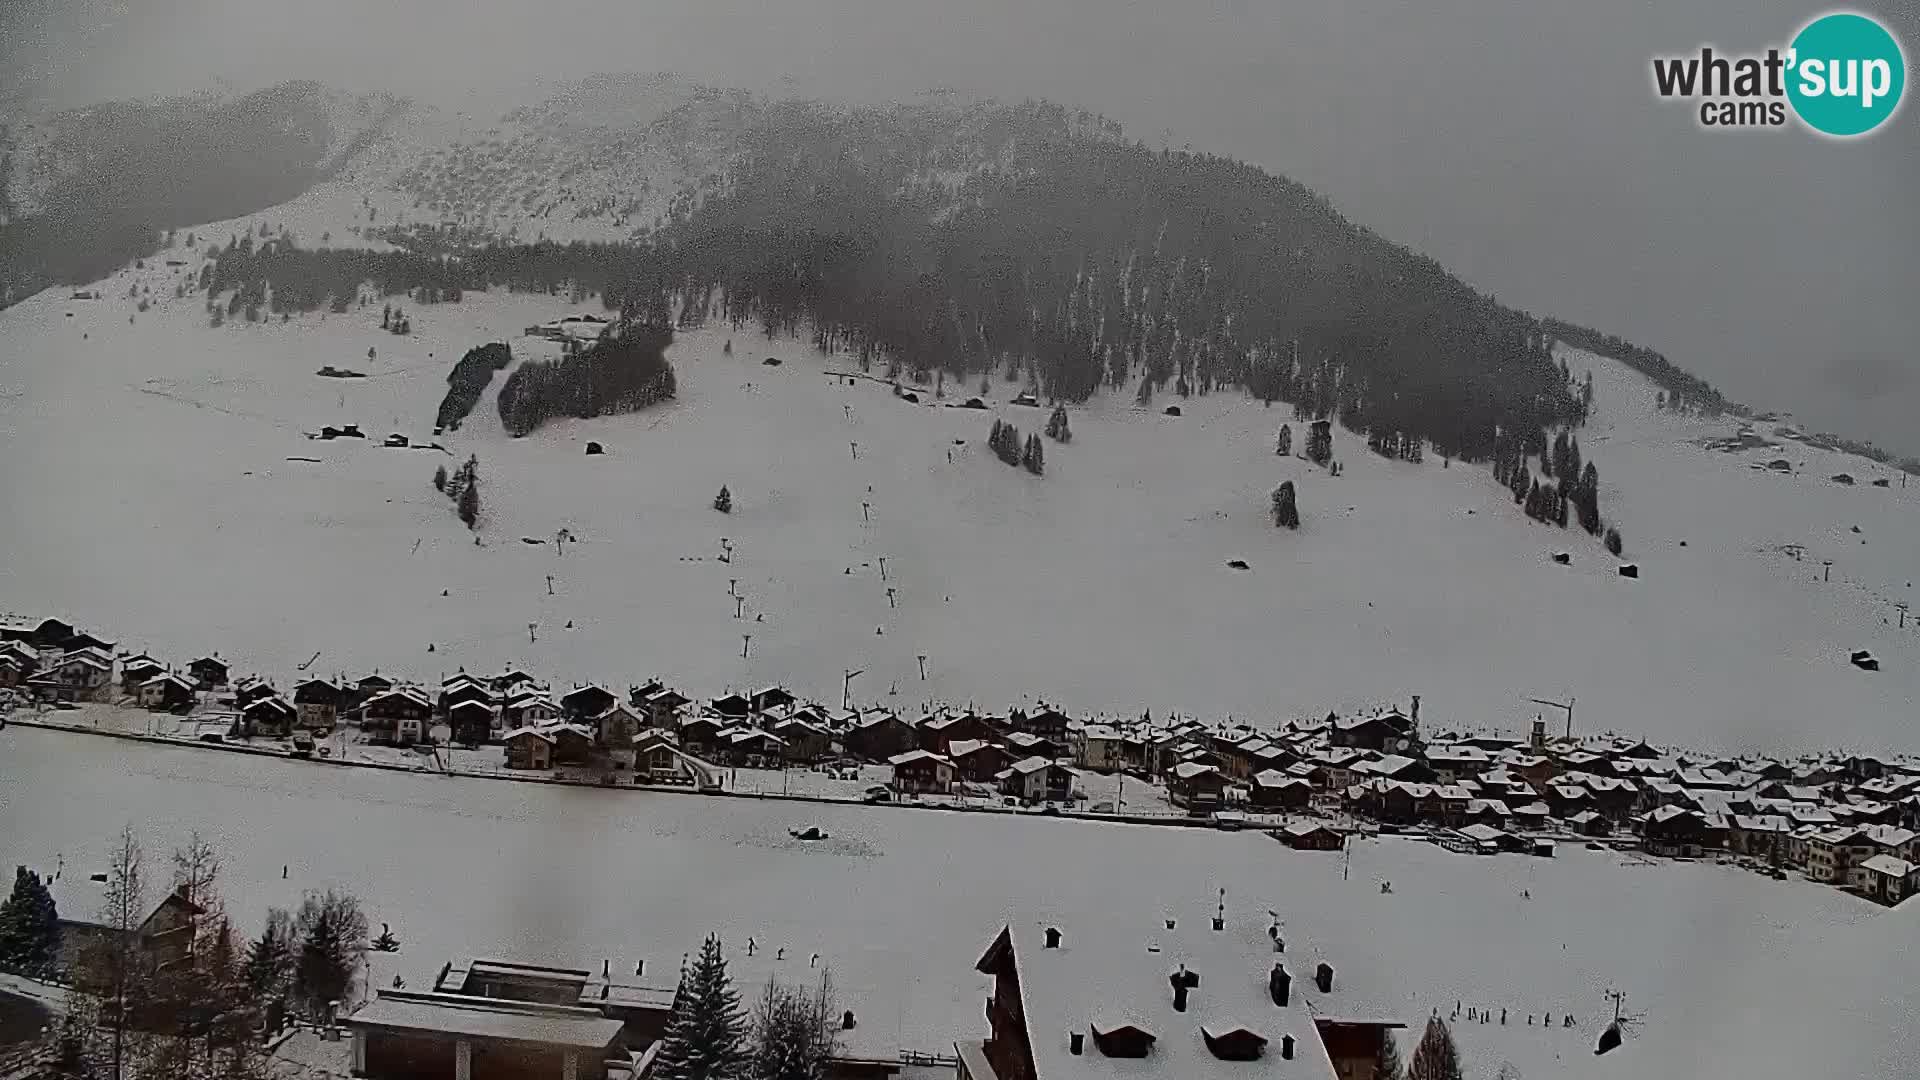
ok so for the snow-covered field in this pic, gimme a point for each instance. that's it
(1731, 976)
(150, 497)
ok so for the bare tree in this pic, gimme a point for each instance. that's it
(795, 1032)
(114, 959)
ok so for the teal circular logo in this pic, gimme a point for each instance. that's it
(1847, 74)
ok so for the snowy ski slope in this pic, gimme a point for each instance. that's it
(150, 496)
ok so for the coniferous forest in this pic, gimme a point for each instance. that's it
(1014, 240)
(622, 373)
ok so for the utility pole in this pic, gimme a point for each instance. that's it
(890, 604)
(1566, 706)
(923, 666)
(846, 688)
(745, 639)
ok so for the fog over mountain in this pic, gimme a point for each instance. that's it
(1521, 145)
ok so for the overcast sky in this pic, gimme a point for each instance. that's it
(1517, 141)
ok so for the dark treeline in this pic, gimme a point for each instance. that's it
(1081, 260)
(1070, 261)
(295, 279)
(468, 380)
(141, 168)
(622, 373)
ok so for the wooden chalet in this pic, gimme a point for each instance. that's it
(583, 702)
(1195, 787)
(209, 672)
(1275, 790)
(938, 734)
(1311, 836)
(268, 717)
(878, 736)
(528, 748)
(921, 772)
(471, 722)
(168, 692)
(316, 704)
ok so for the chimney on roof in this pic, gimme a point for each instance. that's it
(1280, 985)
(846, 1020)
(1286, 1047)
(1076, 1042)
(1183, 981)
(1323, 976)
(1053, 937)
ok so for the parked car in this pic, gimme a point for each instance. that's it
(877, 794)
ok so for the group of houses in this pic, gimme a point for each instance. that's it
(52, 661)
(1213, 992)
(1846, 821)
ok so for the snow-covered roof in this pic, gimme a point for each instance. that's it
(1890, 865)
(527, 733)
(168, 677)
(912, 756)
(1096, 985)
(1187, 770)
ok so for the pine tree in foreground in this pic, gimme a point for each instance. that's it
(29, 927)
(440, 478)
(794, 1033)
(1613, 541)
(269, 965)
(723, 502)
(332, 933)
(1284, 445)
(1436, 1058)
(706, 1035)
(1387, 1065)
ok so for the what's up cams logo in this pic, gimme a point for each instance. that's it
(1842, 75)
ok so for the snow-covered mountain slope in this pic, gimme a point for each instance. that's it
(152, 495)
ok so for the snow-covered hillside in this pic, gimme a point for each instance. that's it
(152, 495)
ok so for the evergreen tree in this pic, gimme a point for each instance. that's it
(440, 478)
(1057, 429)
(1587, 499)
(1033, 459)
(1320, 442)
(469, 508)
(706, 1034)
(29, 928)
(1613, 541)
(1436, 1058)
(1286, 513)
(1284, 446)
(332, 933)
(269, 965)
(723, 502)
(1387, 1065)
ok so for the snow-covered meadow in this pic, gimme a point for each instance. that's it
(151, 496)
